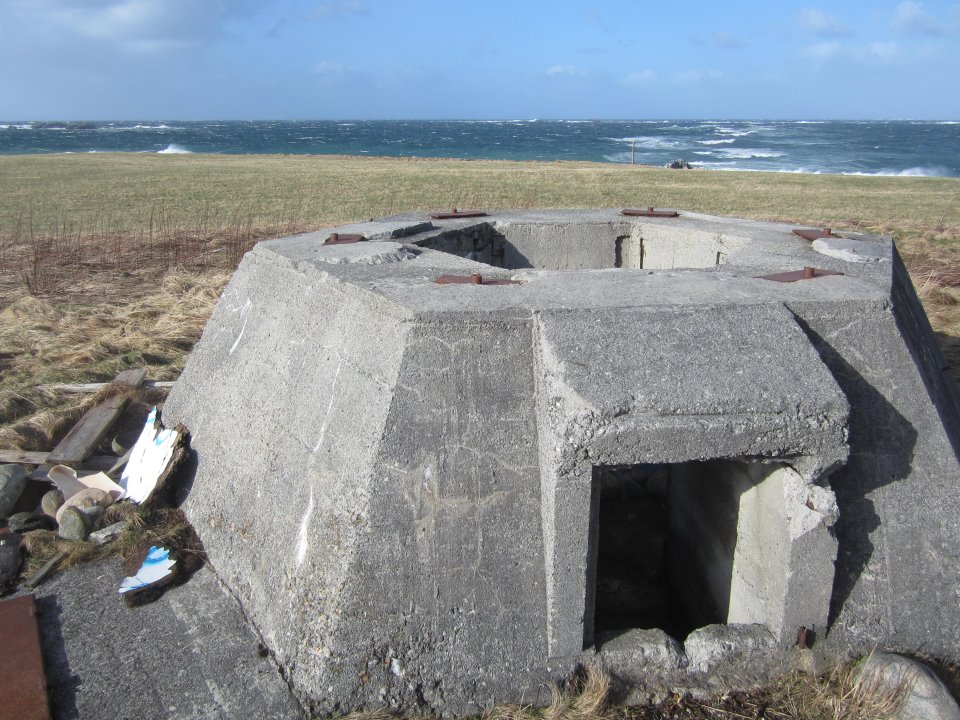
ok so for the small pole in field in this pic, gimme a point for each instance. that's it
(633, 152)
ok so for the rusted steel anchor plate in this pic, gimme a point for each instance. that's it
(648, 212)
(808, 273)
(812, 234)
(475, 279)
(457, 214)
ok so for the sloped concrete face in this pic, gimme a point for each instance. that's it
(440, 497)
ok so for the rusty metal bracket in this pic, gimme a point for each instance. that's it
(812, 234)
(457, 214)
(475, 279)
(23, 683)
(344, 239)
(649, 212)
(808, 273)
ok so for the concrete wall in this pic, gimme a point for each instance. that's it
(395, 477)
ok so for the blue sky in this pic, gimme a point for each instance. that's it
(318, 59)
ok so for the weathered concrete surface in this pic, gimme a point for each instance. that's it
(189, 655)
(396, 478)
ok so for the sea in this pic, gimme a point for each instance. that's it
(894, 148)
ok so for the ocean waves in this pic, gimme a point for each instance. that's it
(887, 148)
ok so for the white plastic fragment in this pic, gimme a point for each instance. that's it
(156, 567)
(148, 459)
(67, 482)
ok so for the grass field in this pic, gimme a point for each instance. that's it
(115, 261)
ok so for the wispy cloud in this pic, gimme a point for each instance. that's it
(875, 53)
(138, 26)
(566, 71)
(338, 9)
(910, 17)
(641, 77)
(817, 22)
(728, 41)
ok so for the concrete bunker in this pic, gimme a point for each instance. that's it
(407, 484)
(562, 246)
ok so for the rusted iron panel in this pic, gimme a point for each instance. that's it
(475, 279)
(23, 682)
(457, 214)
(808, 273)
(648, 212)
(344, 239)
(812, 234)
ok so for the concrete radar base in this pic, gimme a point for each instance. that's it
(639, 452)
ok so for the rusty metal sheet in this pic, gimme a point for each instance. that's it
(475, 279)
(23, 683)
(457, 214)
(649, 212)
(344, 239)
(812, 234)
(808, 273)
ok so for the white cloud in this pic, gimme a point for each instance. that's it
(817, 22)
(910, 17)
(642, 77)
(138, 26)
(566, 71)
(821, 52)
(875, 53)
(336, 9)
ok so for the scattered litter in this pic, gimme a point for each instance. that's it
(69, 484)
(42, 573)
(157, 569)
(102, 537)
(149, 459)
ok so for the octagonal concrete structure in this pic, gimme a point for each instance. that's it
(640, 453)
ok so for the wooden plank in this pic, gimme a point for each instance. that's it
(91, 428)
(25, 457)
(94, 387)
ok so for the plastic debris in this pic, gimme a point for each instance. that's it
(69, 484)
(149, 459)
(157, 568)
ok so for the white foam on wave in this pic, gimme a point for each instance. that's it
(733, 131)
(174, 149)
(15, 127)
(648, 142)
(740, 153)
(930, 171)
(725, 141)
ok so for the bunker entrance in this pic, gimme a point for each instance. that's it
(677, 546)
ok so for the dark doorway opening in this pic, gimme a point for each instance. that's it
(664, 541)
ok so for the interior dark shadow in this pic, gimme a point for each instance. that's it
(663, 540)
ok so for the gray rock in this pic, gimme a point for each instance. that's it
(679, 164)
(26, 521)
(102, 537)
(10, 559)
(925, 697)
(74, 524)
(714, 645)
(13, 479)
(51, 502)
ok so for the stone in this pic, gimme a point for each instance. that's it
(86, 500)
(10, 560)
(51, 502)
(26, 521)
(441, 446)
(105, 535)
(924, 695)
(679, 164)
(74, 524)
(13, 479)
